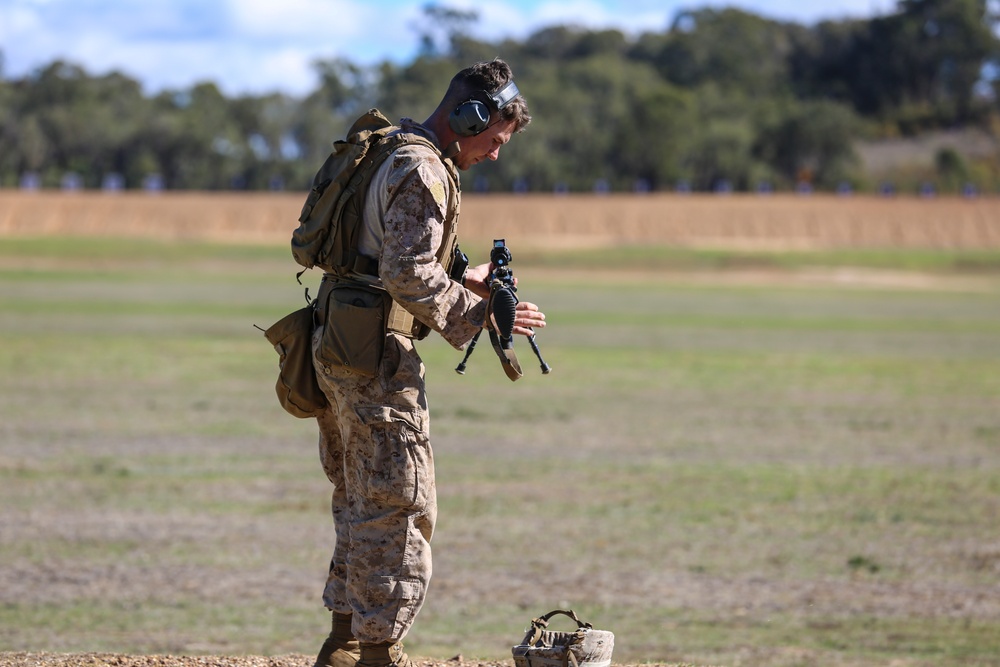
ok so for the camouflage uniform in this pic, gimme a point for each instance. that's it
(374, 439)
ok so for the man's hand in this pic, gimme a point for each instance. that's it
(475, 280)
(528, 318)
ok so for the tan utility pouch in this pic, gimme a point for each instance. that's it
(405, 324)
(586, 647)
(354, 317)
(297, 389)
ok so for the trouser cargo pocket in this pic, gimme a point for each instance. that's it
(399, 469)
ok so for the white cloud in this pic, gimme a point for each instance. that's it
(289, 36)
(597, 15)
(299, 19)
(246, 46)
(256, 46)
(520, 19)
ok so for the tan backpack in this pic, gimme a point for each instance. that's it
(332, 214)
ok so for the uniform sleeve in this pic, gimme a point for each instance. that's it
(408, 266)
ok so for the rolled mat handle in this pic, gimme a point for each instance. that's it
(542, 622)
(544, 619)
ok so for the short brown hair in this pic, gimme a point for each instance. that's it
(490, 76)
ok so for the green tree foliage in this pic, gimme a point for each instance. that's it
(917, 68)
(720, 98)
(951, 168)
(325, 114)
(730, 48)
(66, 121)
(443, 27)
(805, 143)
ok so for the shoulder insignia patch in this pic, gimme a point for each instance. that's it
(437, 191)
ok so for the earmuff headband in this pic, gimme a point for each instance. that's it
(505, 95)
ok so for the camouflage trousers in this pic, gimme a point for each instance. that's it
(375, 449)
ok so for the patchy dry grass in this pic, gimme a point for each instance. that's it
(785, 471)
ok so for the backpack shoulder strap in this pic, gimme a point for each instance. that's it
(377, 154)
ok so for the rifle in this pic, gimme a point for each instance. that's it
(501, 311)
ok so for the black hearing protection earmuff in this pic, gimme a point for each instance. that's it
(473, 116)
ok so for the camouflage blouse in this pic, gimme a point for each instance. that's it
(405, 211)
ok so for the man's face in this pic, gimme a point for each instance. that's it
(483, 146)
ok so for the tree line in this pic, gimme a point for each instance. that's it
(719, 99)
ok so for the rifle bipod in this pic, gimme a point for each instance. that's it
(460, 369)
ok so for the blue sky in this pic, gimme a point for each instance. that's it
(257, 46)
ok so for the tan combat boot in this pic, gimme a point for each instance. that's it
(385, 654)
(340, 649)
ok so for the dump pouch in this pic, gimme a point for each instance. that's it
(354, 327)
(297, 389)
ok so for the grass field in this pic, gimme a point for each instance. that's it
(767, 459)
